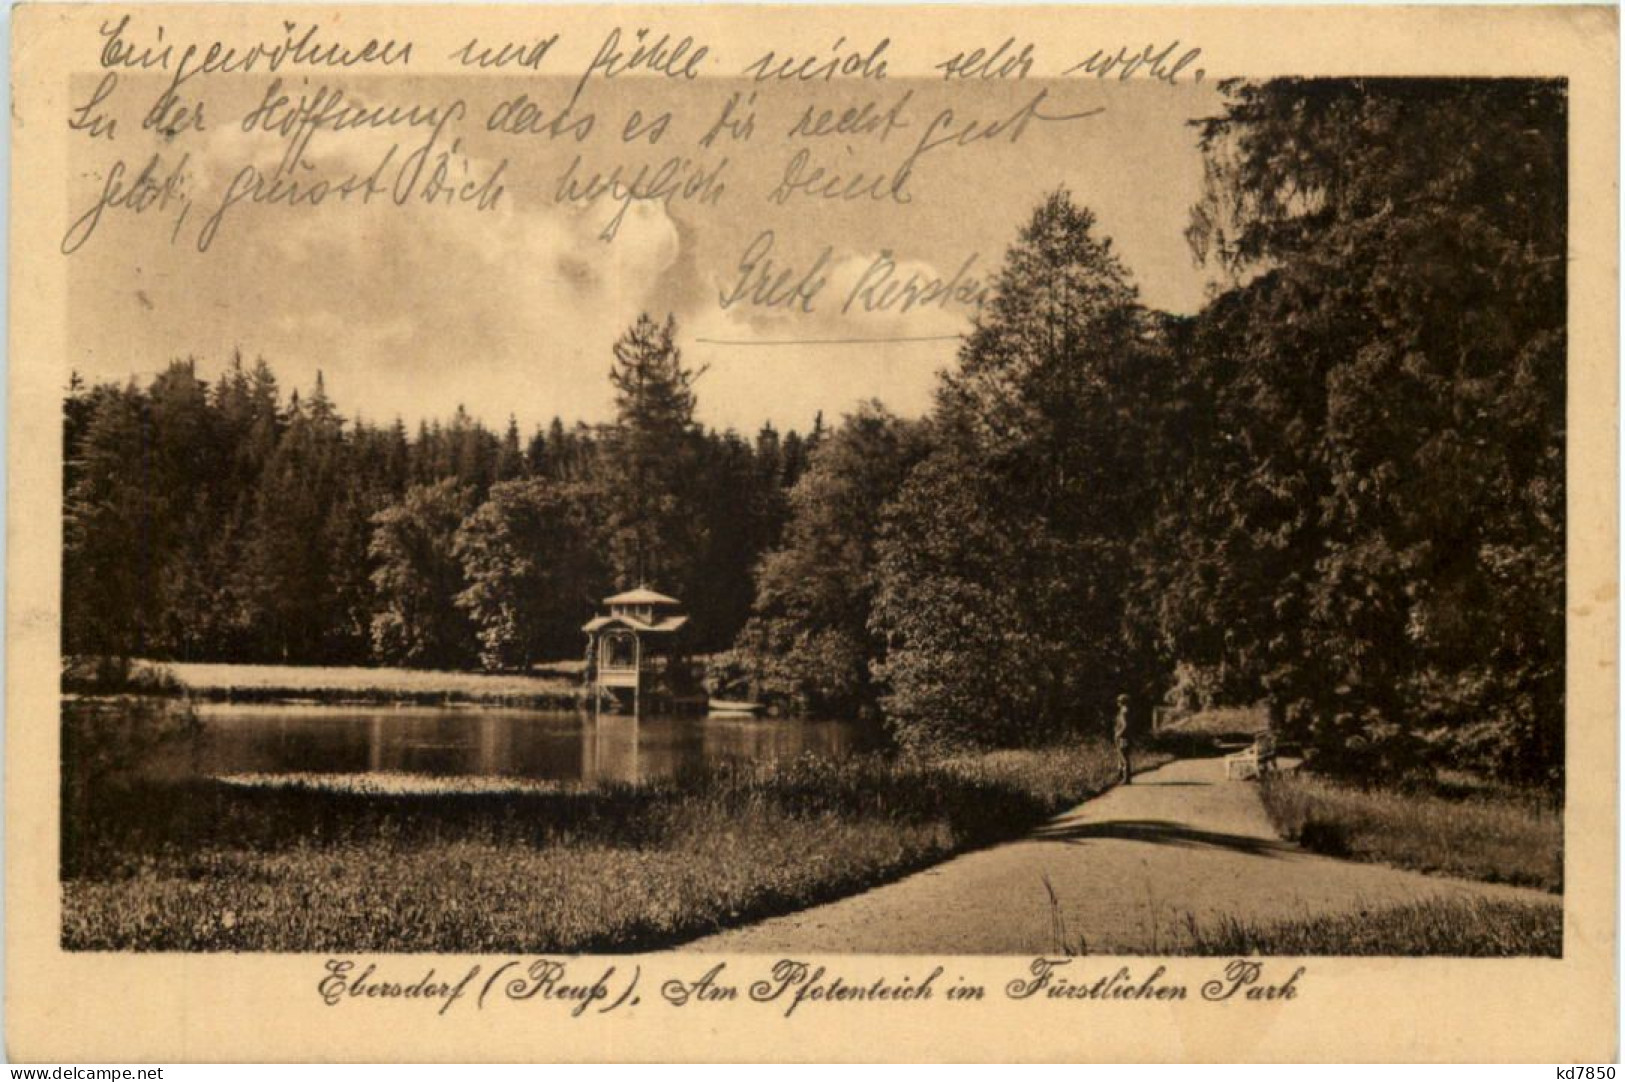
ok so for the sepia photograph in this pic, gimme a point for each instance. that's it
(1292, 553)
(596, 487)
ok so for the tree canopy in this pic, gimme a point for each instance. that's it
(228, 522)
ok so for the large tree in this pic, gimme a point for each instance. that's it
(110, 564)
(648, 463)
(1400, 380)
(809, 638)
(972, 657)
(1038, 423)
(418, 578)
(289, 557)
(533, 571)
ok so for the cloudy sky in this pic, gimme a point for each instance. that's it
(415, 310)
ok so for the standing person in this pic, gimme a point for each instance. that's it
(1120, 735)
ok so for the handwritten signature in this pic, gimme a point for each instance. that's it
(760, 282)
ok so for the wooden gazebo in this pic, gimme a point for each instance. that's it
(629, 646)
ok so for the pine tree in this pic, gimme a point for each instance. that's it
(537, 458)
(110, 566)
(510, 462)
(647, 475)
(289, 559)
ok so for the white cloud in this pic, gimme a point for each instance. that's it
(413, 309)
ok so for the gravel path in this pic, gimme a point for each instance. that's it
(1125, 869)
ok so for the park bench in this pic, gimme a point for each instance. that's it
(1253, 761)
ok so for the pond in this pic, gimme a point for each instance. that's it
(484, 741)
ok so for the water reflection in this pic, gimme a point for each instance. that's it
(280, 739)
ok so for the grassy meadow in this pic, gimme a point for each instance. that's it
(1494, 835)
(1452, 927)
(302, 865)
(557, 685)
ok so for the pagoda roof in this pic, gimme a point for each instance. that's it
(668, 624)
(641, 596)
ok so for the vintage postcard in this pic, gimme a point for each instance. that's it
(739, 532)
